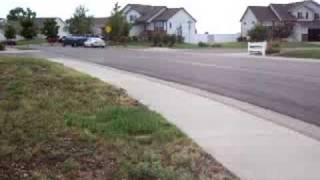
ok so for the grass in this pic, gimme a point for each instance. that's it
(32, 41)
(56, 123)
(303, 53)
(24, 47)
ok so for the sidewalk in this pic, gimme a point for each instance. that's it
(251, 147)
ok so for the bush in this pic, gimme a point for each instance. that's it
(10, 32)
(216, 45)
(134, 38)
(157, 39)
(273, 51)
(258, 33)
(172, 40)
(242, 39)
(202, 44)
(180, 39)
(2, 47)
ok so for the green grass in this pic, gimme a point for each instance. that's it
(32, 41)
(303, 53)
(59, 123)
(298, 45)
(23, 47)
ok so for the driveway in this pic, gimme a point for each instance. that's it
(288, 87)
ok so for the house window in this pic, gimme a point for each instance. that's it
(170, 25)
(316, 16)
(132, 18)
(307, 15)
(300, 15)
(244, 23)
(253, 22)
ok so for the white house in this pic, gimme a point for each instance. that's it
(147, 19)
(304, 15)
(2, 24)
(63, 28)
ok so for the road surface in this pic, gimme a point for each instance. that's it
(288, 87)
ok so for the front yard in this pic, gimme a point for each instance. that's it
(302, 53)
(56, 123)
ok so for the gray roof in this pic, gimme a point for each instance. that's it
(154, 13)
(100, 21)
(167, 14)
(283, 10)
(263, 13)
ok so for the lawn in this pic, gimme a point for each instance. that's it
(56, 123)
(303, 53)
(32, 41)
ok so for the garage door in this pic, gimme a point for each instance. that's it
(314, 35)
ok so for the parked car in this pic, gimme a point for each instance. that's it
(94, 42)
(74, 41)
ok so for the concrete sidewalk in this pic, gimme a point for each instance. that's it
(251, 147)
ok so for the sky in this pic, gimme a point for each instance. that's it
(213, 16)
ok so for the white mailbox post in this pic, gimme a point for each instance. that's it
(257, 47)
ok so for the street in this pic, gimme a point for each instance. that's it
(288, 87)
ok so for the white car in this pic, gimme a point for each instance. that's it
(94, 42)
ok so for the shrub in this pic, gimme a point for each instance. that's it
(216, 45)
(258, 33)
(273, 51)
(242, 39)
(172, 40)
(157, 39)
(2, 47)
(134, 38)
(10, 32)
(180, 39)
(202, 44)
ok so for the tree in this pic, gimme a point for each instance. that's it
(118, 23)
(50, 28)
(25, 19)
(16, 14)
(258, 33)
(281, 31)
(10, 32)
(80, 22)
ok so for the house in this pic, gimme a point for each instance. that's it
(2, 24)
(303, 15)
(99, 24)
(63, 28)
(146, 19)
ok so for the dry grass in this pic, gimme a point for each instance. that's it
(56, 123)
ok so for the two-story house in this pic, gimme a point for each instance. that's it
(146, 19)
(304, 15)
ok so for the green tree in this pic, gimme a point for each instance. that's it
(80, 22)
(25, 19)
(10, 32)
(16, 14)
(281, 31)
(118, 23)
(50, 28)
(258, 33)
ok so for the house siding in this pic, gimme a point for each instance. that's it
(181, 19)
(248, 22)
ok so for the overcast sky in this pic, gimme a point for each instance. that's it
(214, 16)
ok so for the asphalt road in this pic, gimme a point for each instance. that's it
(288, 87)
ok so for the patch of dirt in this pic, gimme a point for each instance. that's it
(2, 92)
(68, 157)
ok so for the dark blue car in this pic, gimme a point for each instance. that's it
(74, 41)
